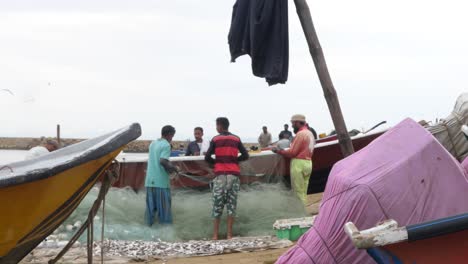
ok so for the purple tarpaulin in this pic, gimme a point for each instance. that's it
(405, 175)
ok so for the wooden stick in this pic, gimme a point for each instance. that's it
(331, 97)
(58, 135)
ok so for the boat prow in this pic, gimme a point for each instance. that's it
(39, 194)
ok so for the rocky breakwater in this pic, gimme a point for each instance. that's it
(137, 146)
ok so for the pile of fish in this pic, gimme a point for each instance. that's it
(59, 238)
(141, 248)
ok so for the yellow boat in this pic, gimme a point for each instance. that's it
(37, 195)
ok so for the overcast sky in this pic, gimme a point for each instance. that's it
(96, 65)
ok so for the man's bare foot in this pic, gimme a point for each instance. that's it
(229, 236)
(215, 238)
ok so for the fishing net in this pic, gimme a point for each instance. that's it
(265, 167)
(259, 206)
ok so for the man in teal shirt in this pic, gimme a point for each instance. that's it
(158, 189)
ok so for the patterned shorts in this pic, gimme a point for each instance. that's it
(225, 189)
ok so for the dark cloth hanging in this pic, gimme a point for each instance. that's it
(260, 28)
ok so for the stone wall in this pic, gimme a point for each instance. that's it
(135, 146)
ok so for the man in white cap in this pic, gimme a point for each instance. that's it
(300, 154)
(45, 148)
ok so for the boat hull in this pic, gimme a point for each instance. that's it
(39, 194)
(450, 248)
(261, 168)
(43, 205)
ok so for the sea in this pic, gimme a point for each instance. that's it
(9, 156)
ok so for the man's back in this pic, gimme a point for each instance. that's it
(36, 152)
(287, 133)
(226, 147)
(302, 146)
(283, 143)
(156, 175)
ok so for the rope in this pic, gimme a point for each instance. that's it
(195, 178)
(208, 181)
(444, 124)
(7, 167)
(102, 229)
(111, 175)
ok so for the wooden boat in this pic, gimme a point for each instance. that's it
(440, 241)
(39, 194)
(263, 166)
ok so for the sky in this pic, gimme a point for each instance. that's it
(95, 66)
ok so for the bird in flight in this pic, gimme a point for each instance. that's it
(8, 91)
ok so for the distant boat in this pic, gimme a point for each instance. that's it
(39, 194)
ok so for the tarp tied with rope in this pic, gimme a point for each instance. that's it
(405, 175)
(449, 133)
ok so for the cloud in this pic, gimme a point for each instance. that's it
(110, 63)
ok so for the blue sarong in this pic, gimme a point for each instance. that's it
(158, 201)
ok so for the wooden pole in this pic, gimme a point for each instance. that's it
(58, 135)
(331, 97)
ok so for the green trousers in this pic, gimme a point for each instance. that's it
(300, 175)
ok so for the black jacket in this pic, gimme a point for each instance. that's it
(260, 28)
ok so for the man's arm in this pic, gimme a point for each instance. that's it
(167, 165)
(295, 148)
(188, 152)
(244, 153)
(164, 159)
(210, 152)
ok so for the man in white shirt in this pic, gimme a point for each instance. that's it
(199, 146)
(264, 140)
(48, 146)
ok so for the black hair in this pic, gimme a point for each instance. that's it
(265, 127)
(199, 129)
(313, 132)
(286, 125)
(167, 130)
(223, 122)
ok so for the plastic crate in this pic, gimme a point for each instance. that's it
(293, 229)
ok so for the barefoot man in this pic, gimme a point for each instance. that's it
(226, 185)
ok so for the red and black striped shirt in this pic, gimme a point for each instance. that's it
(226, 147)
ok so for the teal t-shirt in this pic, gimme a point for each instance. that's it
(156, 175)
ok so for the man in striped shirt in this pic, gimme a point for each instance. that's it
(226, 185)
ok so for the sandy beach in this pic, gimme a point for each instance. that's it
(78, 255)
(268, 252)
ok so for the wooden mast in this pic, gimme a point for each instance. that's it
(330, 94)
(58, 135)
